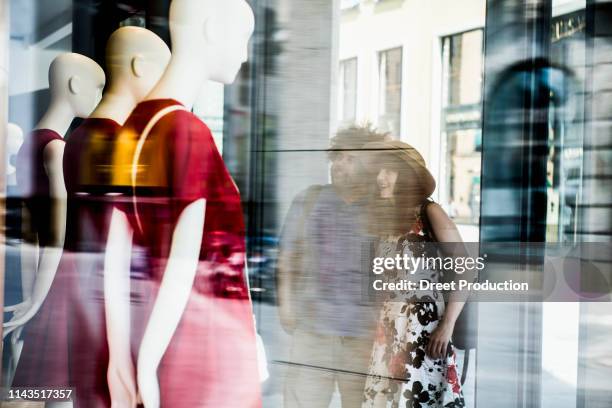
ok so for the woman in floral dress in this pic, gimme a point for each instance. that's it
(413, 361)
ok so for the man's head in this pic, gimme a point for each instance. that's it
(346, 155)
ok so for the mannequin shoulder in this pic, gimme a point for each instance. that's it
(53, 154)
(54, 149)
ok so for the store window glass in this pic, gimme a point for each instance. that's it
(390, 90)
(209, 108)
(348, 91)
(462, 58)
(348, 4)
(316, 67)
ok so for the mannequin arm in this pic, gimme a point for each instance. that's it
(49, 255)
(120, 375)
(28, 256)
(171, 300)
(286, 262)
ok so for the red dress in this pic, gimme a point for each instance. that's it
(88, 176)
(65, 343)
(211, 361)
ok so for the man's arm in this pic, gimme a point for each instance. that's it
(289, 257)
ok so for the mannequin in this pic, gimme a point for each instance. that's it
(136, 59)
(14, 141)
(209, 42)
(75, 84)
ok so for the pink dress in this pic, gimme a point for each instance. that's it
(211, 361)
(43, 360)
(65, 343)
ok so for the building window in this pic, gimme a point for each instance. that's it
(390, 90)
(348, 91)
(461, 124)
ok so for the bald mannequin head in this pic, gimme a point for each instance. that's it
(77, 81)
(209, 42)
(135, 60)
(216, 32)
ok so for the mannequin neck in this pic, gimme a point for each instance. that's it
(182, 81)
(59, 117)
(115, 105)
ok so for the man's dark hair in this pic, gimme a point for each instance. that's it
(355, 137)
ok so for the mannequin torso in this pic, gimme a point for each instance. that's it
(136, 58)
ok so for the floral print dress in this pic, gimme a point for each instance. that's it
(400, 373)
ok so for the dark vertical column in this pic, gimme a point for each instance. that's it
(514, 196)
(156, 12)
(93, 22)
(515, 126)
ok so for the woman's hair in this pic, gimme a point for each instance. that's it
(397, 215)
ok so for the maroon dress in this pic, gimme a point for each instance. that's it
(88, 178)
(65, 343)
(211, 361)
(33, 181)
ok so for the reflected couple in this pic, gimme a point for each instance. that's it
(397, 352)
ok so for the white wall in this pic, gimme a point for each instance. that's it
(416, 26)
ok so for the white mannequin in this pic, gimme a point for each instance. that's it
(75, 84)
(136, 59)
(209, 42)
(14, 140)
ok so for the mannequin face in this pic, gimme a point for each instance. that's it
(85, 84)
(228, 38)
(209, 42)
(76, 80)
